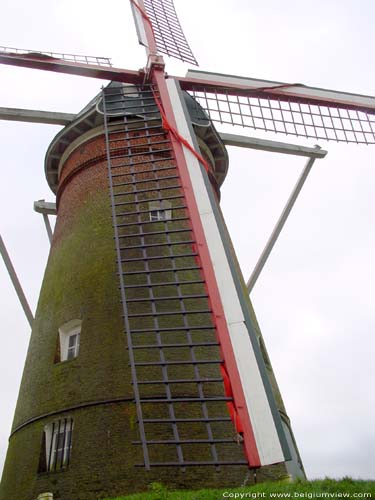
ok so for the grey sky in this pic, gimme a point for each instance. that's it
(315, 298)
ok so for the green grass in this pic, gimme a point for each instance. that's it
(326, 489)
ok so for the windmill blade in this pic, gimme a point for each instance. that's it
(97, 61)
(90, 66)
(293, 109)
(167, 33)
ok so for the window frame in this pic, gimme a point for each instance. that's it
(56, 445)
(158, 215)
(160, 211)
(68, 331)
(73, 350)
(60, 453)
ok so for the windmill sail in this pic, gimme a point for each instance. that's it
(192, 347)
(264, 439)
(77, 58)
(166, 28)
(291, 109)
(173, 352)
(90, 66)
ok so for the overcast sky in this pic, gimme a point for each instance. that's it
(315, 298)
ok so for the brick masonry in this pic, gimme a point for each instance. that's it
(94, 389)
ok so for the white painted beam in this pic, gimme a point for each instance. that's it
(36, 116)
(258, 408)
(45, 207)
(279, 225)
(271, 146)
(279, 89)
(16, 283)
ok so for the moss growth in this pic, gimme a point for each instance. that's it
(344, 488)
(72, 268)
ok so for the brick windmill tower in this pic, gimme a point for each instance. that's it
(145, 351)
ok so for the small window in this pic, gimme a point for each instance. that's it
(160, 211)
(69, 339)
(73, 345)
(156, 215)
(56, 445)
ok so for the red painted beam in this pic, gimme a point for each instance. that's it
(250, 447)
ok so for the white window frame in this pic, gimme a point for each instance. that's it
(73, 347)
(58, 457)
(68, 331)
(160, 211)
(158, 215)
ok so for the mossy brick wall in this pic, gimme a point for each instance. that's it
(81, 282)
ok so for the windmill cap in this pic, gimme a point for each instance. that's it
(92, 117)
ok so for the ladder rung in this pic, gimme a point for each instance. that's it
(169, 298)
(147, 200)
(153, 245)
(157, 160)
(171, 329)
(126, 130)
(141, 145)
(143, 149)
(132, 97)
(141, 120)
(146, 151)
(170, 269)
(149, 210)
(128, 112)
(167, 346)
(149, 170)
(180, 362)
(119, 91)
(134, 146)
(125, 134)
(144, 181)
(170, 221)
(186, 400)
(151, 233)
(127, 98)
(160, 257)
(166, 283)
(176, 207)
(138, 105)
(193, 464)
(177, 186)
(182, 420)
(145, 136)
(188, 441)
(169, 313)
(179, 381)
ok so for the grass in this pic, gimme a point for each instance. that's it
(325, 488)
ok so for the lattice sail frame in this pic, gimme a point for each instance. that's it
(183, 348)
(290, 109)
(167, 33)
(173, 351)
(76, 58)
(301, 119)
